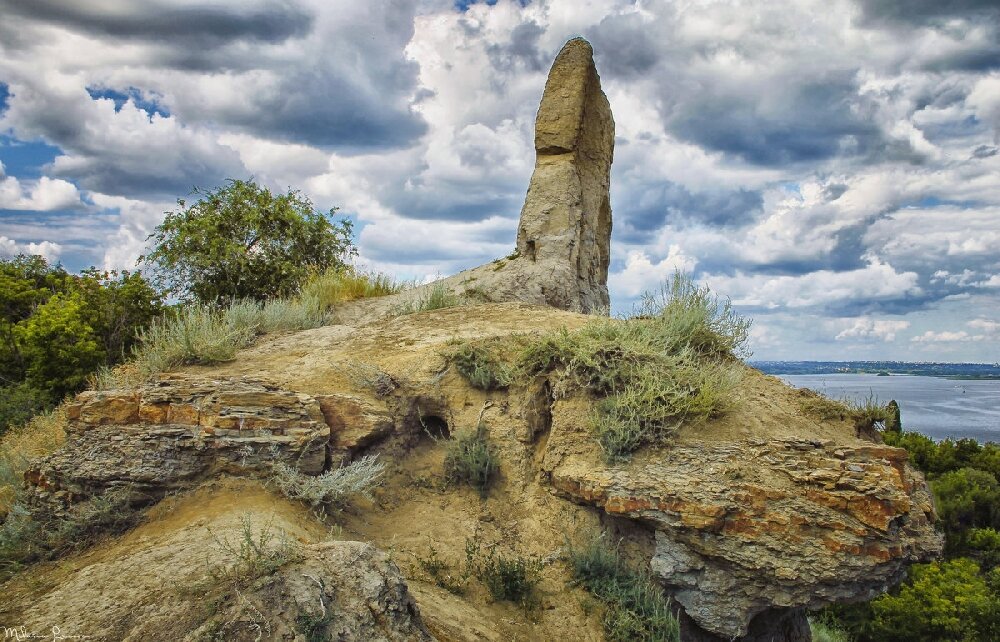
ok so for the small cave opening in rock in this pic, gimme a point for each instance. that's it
(435, 426)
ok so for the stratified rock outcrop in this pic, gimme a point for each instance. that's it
(178, 431)
(564, 235)
(748, 527)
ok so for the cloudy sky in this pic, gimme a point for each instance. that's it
(830, 165)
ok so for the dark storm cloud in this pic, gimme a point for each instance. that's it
(352, 91)
(926, 11)
(812, 121)
(271, 21)
(624, 46)
(646, 208)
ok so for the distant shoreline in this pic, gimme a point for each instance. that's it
(957, 371)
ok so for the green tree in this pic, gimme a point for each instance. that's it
(25, 283)
(241, 241)
(60, 346)
(122, 304)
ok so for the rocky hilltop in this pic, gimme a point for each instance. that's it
(748, 520)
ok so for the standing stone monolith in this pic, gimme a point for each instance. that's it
(564, 234)
(566, 218)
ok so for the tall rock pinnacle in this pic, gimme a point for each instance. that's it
(566, 218)
(564, 235)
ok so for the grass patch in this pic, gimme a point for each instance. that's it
(471, 459)
(42, 435)
(203, 334)
(336, 286)
(435, 297)
(673, 363)
(868, 413)
(512, 578)
(827, 631)
(635, 606)
(332, 487)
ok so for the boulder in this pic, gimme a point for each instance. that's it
(751, 527)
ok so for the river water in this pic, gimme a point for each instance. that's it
(933, 406)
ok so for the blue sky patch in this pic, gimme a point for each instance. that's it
(139, 98)
(25, 159)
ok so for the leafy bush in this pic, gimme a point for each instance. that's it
(511, 578)
(436, 297)
(241, 241)
(56, 329)
(471, 459)
(966, 498)
(60, 346)
(332, 487)
(19, 403)
(636, 608)
(947, 600)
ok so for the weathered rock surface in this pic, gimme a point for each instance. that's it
(347, 591)
(170, 579)
(564, 234)
(746, 527)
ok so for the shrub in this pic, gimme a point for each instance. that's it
(868, 413)
(256, 553)
(438, 570)
(481, 365)
(435, 297)
(692, 317)
(332, 487)
(511, 578)
(27, 536)
(636, 608)
(671, 365)
(471, 459)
